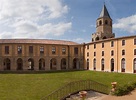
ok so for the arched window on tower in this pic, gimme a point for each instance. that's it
(106, 22)
(97, 38)
(100, 22)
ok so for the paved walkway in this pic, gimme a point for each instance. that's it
(91, 95)
(131, 96)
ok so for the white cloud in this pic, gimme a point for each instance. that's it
(126, 24)
(30, 9)
(31, 30)
(78, 40)
(32, 18)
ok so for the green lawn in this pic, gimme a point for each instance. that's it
(34, 86)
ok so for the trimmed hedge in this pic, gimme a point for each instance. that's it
(123, 90)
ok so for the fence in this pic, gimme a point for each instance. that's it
(76, 86)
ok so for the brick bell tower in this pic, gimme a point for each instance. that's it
(103, 26)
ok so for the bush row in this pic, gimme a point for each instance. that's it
(123, 90)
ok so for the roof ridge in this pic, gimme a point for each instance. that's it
(42, 41)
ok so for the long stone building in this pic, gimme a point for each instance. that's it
(34, 54)
(104, 53)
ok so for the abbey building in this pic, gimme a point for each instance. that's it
(107, 53)
(104, 53)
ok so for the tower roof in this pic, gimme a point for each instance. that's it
(104, 12)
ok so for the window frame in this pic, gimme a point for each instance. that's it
(112, 53)
(134, 51)
(112, 43)
(103, 45)
(63, 50)
(19, 49)
(87, 54)
(6, 49)
(94, 53)
(123, 52)
(135, 41)
(94, 46)
(41, 49)
(53, 50)
(123, 42)
(76, 50)
(31, 49)
(102, 53)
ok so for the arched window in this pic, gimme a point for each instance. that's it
(87, 64)
(123, 65)
(97, 38)
(7, 64)
(112, 64)
(63, 63)
(104, 37)
(123, 42)
(100, 22)
(102, 64)
(134, 41)
(76, 63)
(94, 64)
(123, 52)
(19, 64)
(112, 53)
(134, 51)
(41, 64)
(53, 64)
(106, 22)
(134, 64)
(30, 64)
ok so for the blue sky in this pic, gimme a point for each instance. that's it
(72, 20)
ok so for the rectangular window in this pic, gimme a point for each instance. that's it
(94, 53)
(87, 46)
(102, 53)
(123, 52)
(134, 41)
(134, 51)
(19, 49)
(87, 54)
(102, 45)
(123, 42)
(6, 49)
(31, 49)
(63, 51)
(112, 44)
(94, 46)
(41, 50)
(76, 50)
(53, 50)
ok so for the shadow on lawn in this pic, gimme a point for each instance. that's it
(37, 72)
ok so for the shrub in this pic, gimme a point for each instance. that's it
(123, 90)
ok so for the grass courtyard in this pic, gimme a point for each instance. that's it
(34, 86)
